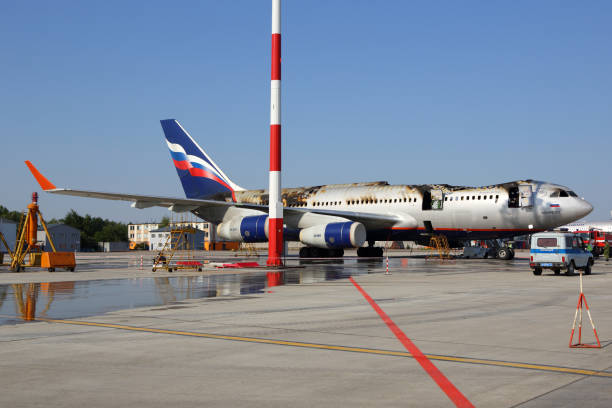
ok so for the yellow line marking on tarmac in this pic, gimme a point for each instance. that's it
(497, 363)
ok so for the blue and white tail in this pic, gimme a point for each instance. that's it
(200, 176)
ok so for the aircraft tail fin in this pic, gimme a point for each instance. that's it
(199, 174)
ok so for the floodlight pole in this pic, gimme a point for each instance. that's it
(275, 216)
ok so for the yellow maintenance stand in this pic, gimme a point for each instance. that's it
(27, 243)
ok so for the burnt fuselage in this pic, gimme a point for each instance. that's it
(459, 212)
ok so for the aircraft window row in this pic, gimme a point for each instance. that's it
(355, 202)
(474, 197)
(382, 201)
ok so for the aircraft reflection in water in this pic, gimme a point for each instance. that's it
(66, 300)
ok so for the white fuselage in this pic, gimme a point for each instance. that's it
(461, 213)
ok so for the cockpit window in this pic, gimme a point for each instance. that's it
(555, 193)
(563, 193)
(572, 194)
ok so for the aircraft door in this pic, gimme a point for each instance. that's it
(437, 199)
(525, 195)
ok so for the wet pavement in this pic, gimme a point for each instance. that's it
(304, 336)
(72, 299)
(21, 302)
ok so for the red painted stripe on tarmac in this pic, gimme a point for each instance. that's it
(444, 383)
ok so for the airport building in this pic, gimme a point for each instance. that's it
(116, 246)
(9, 230)
(65, 238)
(192, 238)
(141, 233)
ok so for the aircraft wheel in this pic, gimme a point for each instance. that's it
(362, 252)
(336, 253)
(305, 252)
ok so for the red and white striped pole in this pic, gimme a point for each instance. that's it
(275, 216)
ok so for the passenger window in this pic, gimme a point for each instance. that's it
(461, 198)
(479, 197)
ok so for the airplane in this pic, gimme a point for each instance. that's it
(330, 218)
(604, 226)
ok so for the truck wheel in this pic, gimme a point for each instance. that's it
(570, 269)
(51, 269)
(587, 269)
(503, 253)
(537, 271)
(557, 271)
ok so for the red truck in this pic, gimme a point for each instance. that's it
(597, 238)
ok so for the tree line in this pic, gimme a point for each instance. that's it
(93, 229)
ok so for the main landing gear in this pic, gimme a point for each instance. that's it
(370, 252)
(312, 252)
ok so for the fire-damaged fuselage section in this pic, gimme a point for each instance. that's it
(459, 212)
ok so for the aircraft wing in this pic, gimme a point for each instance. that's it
(189, 204)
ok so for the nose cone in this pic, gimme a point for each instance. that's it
(584, 208)
(575, 209)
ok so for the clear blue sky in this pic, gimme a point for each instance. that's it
(468, 93)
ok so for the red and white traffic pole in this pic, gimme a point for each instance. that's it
(275, 216)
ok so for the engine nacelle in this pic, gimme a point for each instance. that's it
(247, 229)
(334, 235)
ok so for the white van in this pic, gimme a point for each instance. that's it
(559, 250)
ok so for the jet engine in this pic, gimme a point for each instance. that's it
(334, 235)
(247, 229)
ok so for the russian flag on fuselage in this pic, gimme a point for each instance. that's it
(199, 175)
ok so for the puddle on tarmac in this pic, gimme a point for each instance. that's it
(69, 300)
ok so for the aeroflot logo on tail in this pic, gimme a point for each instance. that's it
(197, 166)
